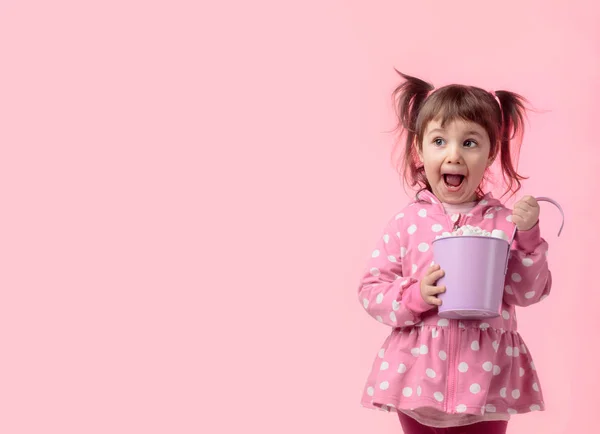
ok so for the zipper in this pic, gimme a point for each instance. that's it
(452, 347)
(450, 404)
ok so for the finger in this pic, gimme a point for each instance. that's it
(434, 300)
(433, 268)
(530, 200)
(434, 290)
(524, 207)
(431, 278)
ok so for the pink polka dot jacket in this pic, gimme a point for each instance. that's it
(466, 368)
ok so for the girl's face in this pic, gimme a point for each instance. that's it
(455, 159)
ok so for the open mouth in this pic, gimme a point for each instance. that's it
(453, 181)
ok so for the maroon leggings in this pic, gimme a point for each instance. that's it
(411, 426)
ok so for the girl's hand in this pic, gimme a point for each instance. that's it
(429, 291)
(526, 213)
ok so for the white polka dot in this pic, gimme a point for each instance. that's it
(484, 326)
(516, 277)
(412, 229)
(381, 353)
(393, 316)
(375, 272)
(516, 394)
(399, 215)
(487, 366)
(443, 322)
(505, 315)
(424, 349)
(370, 391)
(422, 212)
(509, 351)
(384, 366)
(439, 396)
(475, 346)
(365, 303)
(535, 387)
(528, 262)
(475, 388)
(461, 325)
(386, 238)
(490, 408)
(489, 216)
(378, 318)
(535, 408)
(415, 352)
(384, 385)
(379, 298)
(461, 408)
(503, 392)
(407, 391)
(414, 268)
(395, 305)
(543, 297)
(423, 247)
(463, 367)
(454, 217)
(529, 295)
(437, 228)
(401, 368)
(435, 333)
(409, 323)
(508, 290)
(512, 411)
(443, 355)
(516, 351)
(375, 254)
(430, 373)
(509, 218)
(402, 252)
(523, 349)
(419, 390)
(496, 370)
(392, 258)
(483, 202)
(521, 372)
(532, 366)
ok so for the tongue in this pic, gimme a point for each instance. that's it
(454, 180)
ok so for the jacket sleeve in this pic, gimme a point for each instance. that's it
(528, 279)
(387, 292)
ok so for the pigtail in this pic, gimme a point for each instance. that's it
(512, 130)
(408, 99)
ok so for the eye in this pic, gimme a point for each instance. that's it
(470, 143)
(438, 142)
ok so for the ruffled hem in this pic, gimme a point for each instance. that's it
(492, 371)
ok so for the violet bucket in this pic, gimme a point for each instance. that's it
(474, 272)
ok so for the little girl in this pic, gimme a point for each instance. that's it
(467, 376)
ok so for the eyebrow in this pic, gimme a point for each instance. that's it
(469, 133)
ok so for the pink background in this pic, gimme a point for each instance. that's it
(190, 191)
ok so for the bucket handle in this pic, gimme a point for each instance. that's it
(539, 199)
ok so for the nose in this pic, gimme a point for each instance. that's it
(454, 154)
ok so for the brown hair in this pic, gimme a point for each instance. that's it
(503, 120)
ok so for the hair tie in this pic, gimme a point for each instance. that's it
(493, 92)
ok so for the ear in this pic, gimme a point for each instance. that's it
(419, 152)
